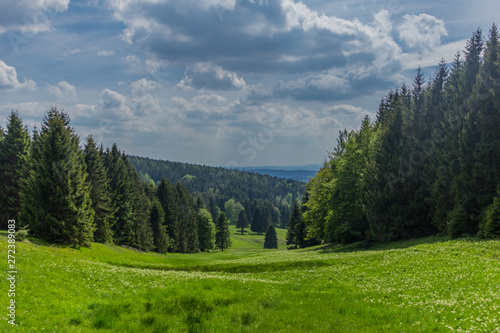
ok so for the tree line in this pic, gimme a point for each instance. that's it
(67, 194)
(429, 163)
(227, 190)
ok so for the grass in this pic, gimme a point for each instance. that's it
(422, 285)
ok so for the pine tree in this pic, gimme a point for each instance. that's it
(121, 194)
(271, 238)
(261, 219)
(100, 192)
(56, 199)
(157, 218)
(142, 232)
(13, 162)
(295, 220)
(242, 221)
(492, 217)
(206, 230)
(222, 234)
(167, 195)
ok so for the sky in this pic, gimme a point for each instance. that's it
(222, 82)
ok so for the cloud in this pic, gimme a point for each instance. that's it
(30, 17)
(9, 80)
(71, 52)
(115, 104)
(63, 90)
(211, 77)
(106, 53)
(421, 32)
(322, 86)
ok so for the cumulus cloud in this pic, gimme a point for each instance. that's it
(421, 32)
(211, 77)
(63, 90)
(115, 104)
(9, 80)
(313, 87)
(30, 17)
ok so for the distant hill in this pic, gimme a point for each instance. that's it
(237, 184)
(298, 173)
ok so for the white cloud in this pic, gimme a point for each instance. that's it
(30, 17)
(422, 32)
(115, 104)
(71, 52)
(106, 53)
(212, 77)
(9, 80)
(63, 90)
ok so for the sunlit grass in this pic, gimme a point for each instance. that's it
(416, 286)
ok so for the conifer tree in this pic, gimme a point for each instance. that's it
(121, 194)
(242, 221)
(14, 148)
(222, 235)
(295, 220)
(100, 193)
(206, 230)
(157, 218)
(261, 219)
(167, 195)
(56, 199)
(271, 238)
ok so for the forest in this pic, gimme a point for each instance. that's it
(68, 193)
(428, 164)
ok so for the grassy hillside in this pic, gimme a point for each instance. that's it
(415, 286)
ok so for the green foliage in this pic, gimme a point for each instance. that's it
(206, 230)
(428, 164)
(242, 221)
(100, 192)
(271, 238)
(492, 218)
(261, 218)
(222, 235)
(56, 200)
(157, 219)
(14, 147)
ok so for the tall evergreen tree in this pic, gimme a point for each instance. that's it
(261, 219)
(242, 221)
(14, 149)
(167, 195)
(295, 220)
(157, 218)
(56, 199)
(222, 235)
(121, 194)
(206, 230)
(271, 238)
(100, 192)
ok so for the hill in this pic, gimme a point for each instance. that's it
(415, 286)
(236, 184)
(298, 173)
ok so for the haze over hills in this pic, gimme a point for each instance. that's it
(300, 173)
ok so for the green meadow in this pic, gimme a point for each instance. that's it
(423, 285)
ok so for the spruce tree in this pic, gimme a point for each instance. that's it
(293, 233)
(242, 221)
(206, 230)
(100, 192)
(13, 162)
(56, 199)
(222, 235)
(261, 219)
(271, 238)
(168, 197)
(121, 194)
(157, 218)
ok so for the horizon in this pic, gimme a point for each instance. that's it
(225, 83)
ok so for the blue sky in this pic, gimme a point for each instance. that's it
(222, 82)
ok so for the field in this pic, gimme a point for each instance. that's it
(422, 285)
